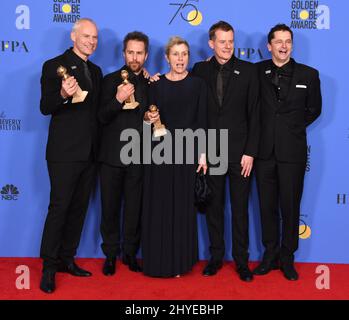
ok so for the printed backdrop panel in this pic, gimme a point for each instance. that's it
(33, 31)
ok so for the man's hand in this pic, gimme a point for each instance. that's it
(155, 77)
(246, 164)
(151, 116)
(69, 87)
(124, 92)
(146, 74)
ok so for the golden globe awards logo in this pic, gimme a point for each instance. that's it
(309, 15)
(66, 11)
(187, 11)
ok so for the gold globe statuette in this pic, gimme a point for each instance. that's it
(79, 95)
(159, 129)
(131, 102)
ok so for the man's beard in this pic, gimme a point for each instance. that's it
(135, 66)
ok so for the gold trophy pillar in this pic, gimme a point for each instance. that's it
(79, 95)
(159, 129)
(131, 102)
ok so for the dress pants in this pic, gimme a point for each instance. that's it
(239, 192)
(71, 185)
(117, 183)
(280, 185)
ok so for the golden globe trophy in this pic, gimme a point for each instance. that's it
(130, 103)
(159, 129)
(79, 95)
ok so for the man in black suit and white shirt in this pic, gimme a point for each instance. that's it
(232, 105)
(290, 101)
(120, 180)
(71, 150)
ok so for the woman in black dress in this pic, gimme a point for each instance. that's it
(169, 220)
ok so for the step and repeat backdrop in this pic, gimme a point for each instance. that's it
(32, 31)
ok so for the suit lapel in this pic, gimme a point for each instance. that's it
(267, 72)
(94, 76)
(72, 67)
(294, 81)
(75, 69)
(213, 82)
(231, 85)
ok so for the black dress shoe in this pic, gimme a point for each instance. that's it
(265, 267)
(109, 267)
(289, 272)
(212, 268)
(245, 273)
(47, 283)
(132, 264)
(74, 270)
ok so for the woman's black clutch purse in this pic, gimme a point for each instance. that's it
(202, 192)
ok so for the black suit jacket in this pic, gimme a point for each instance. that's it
(73, 131)
(115, 119)
(283, 125)
(239, 112)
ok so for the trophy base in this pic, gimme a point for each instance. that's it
(79, 97)
(130, 105)
(159, 132)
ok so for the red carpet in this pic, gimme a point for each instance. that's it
(126, 285)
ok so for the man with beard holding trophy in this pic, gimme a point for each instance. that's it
(123, 104)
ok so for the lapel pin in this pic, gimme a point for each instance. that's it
(267, 71)
(236, 72)
(73, 67)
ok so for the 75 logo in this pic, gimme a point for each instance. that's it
(185, 5)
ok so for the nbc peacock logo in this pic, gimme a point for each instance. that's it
(9, 192)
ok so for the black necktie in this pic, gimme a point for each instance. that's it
(220, 85)
(87, 75)
(275, 80)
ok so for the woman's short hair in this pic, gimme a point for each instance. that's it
(173, 41)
